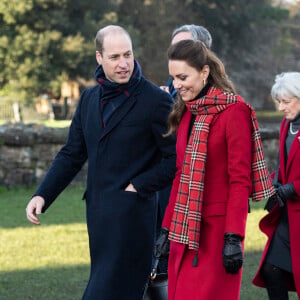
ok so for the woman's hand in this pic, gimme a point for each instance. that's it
(286, 191)
(232, 253)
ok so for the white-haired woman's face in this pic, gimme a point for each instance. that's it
(289, 106)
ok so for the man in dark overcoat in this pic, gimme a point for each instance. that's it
(118, 128)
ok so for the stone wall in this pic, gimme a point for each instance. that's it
(26, 152)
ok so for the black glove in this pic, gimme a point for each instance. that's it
(273, 200)
(286, 191)
(232, 253)
(162, 245)
(276, 184)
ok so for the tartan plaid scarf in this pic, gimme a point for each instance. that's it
(186, 220)
(112, 94)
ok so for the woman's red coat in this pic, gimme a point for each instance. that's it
(227, 188)
(287, 173)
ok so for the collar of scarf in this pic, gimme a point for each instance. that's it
(185, 225)
(112, 94)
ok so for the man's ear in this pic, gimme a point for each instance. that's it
(99, 57)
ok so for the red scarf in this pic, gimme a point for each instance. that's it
(185, 226)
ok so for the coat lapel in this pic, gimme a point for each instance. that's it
(95, 117)
(281, 147)
(118, 115)
(121, 112)
(183, 131)
(294, 149)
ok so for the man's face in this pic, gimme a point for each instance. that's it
(117, 57)
(184, 35)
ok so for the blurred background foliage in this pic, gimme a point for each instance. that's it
(44, 43)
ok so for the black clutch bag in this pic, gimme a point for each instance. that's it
(157, 286)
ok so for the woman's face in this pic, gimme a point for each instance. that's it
(187, 80)
(289, 106)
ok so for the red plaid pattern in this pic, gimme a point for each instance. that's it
(185, 225)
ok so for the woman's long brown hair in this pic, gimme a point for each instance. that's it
(196, 55)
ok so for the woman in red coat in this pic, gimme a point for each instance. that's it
(279, 269)
(220, 164)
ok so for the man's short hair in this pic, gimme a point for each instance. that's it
(103, 32)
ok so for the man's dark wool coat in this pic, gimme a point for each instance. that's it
(130, 149)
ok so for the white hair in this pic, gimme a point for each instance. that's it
(287, 85)
(199, 33)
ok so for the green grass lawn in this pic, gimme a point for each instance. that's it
(51, 261)
(44, 262)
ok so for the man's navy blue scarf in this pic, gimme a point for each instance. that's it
(172, 90)
(112, 94)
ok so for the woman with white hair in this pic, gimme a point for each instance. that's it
(279, 270)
